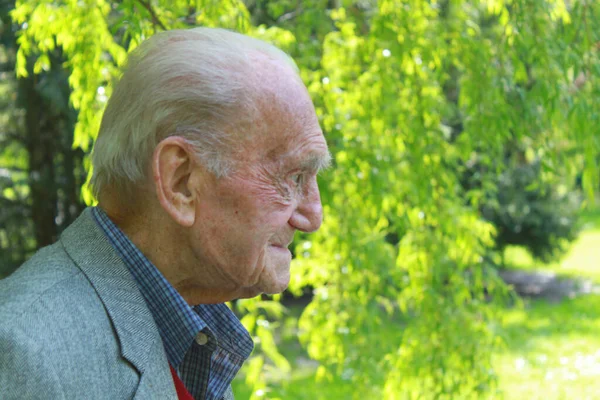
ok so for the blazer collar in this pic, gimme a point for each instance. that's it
(91, 251)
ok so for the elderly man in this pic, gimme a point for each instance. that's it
(204, 167)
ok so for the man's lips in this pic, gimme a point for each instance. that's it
(282, 243)
(279, 246)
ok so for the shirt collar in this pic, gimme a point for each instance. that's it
(177, 322)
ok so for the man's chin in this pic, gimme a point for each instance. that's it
(248, 293)
(275, 289)
(269, 288)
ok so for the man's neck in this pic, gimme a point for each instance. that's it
(161, 241)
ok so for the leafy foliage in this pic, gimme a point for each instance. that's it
(408, 92)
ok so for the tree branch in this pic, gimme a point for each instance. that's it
(10, 136)
(290, 15)
(155, 19)
(7, 169)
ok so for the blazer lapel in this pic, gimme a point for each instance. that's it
(137, 333)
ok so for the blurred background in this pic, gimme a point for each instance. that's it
(459, 257)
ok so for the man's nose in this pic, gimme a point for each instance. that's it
(308, 215)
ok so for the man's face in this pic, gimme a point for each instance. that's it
(246, 221)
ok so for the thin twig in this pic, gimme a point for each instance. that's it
(290, 15)
(10, 136)
(155, 18)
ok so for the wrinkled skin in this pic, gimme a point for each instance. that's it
(247, 220)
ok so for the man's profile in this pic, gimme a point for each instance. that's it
(204, 167)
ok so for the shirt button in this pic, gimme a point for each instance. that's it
(201, 339)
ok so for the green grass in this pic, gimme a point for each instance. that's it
(552, 349)
(582, 259)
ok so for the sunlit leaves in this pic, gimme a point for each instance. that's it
(386, 104)
(408, 92)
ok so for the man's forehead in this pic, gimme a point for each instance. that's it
(286, 129)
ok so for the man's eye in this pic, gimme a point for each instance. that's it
(297, 179)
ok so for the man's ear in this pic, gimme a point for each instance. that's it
(173, 162)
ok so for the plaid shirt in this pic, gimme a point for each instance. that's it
(206, 344)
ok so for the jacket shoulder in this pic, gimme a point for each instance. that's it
(47, 268)
(56, 334)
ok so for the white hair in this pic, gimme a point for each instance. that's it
(189, 83)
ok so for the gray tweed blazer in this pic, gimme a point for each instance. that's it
(73, 325)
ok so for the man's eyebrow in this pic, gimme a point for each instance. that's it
(316, 162)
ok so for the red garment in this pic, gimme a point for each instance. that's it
(182, 392)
